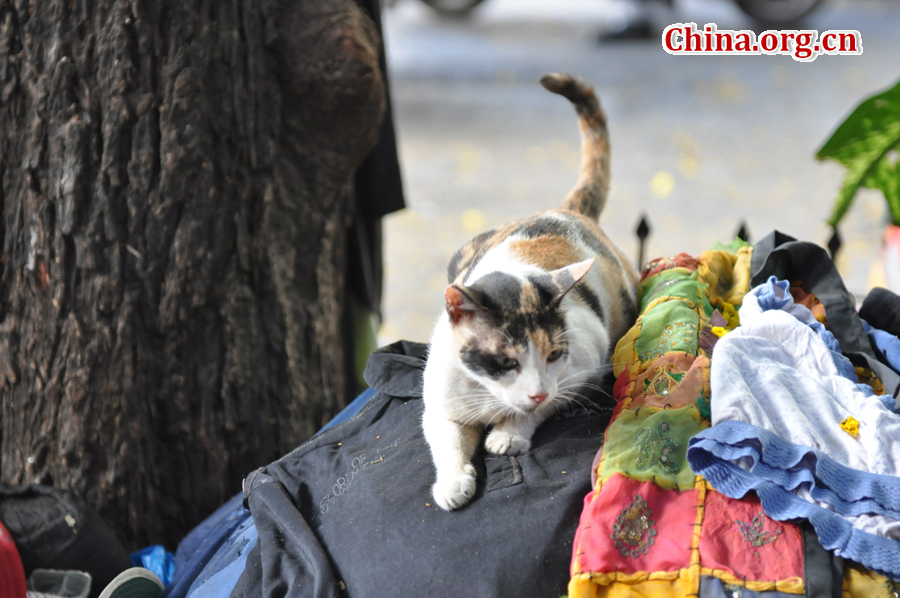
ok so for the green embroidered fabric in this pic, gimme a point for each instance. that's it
(677, 282)
(655, 447)
(664, 381)
(651, 444)
(703, 406)
(669, 326)
(732, 247)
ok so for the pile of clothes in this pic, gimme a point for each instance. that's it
(751, 452)
(54, 545)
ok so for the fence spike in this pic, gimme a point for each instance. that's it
(643, 231)
(834, 243)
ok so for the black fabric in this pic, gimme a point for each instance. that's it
(379, 187)
(881, 309)
(784, 257)
(397, 369)
(36, 517)
(350, 512)
(823, 571)
(713, 587)
(378, 191)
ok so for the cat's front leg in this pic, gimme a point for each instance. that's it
(452, 447)
(512, 436)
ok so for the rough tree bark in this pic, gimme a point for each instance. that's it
(174, 183)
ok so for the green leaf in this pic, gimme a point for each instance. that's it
(861, 143)
(886, 178)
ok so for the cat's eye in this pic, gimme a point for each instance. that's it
(554, 355)
(506, 363)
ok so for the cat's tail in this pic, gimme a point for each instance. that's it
(589, 194)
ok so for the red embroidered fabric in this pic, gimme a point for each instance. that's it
(682, 260)
(738, 537)
(620, 388)
(636, 526)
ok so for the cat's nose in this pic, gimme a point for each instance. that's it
(538, 398)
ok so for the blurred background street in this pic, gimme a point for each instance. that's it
(699, 143)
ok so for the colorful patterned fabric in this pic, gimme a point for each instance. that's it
(682, 260)
(672, 381)
(651, 527)
(676, 282)
(726, 274)
(650, 444)
(636, 526)
(860, 582)
(673, 326)
(763, 548)
(644, 585)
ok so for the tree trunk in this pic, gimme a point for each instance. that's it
(175, 176)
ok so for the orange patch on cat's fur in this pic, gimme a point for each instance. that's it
(467, 253)
(529, 300)
(549, 252)
(541, 340)
(470, 252)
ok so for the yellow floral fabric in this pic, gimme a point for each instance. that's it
(726, 274)
(643, 585)
(860, 582)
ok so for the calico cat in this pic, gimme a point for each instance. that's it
(532, 311)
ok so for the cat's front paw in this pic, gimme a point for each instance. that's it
(452, 492)
(501, 442)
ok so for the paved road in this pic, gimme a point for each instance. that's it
(699, 143)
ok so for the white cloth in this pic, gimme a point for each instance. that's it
(775, 372)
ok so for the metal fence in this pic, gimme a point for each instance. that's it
(644, 230)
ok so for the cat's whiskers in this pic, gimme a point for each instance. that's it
(577, 398)
(470, 414)
(478, 417)
(584, 385)
(481, 406)
(568, 386)
(509, 339)
(570, 399)
(476, 409)
(572, 390)
(599, 389)
(483, 395)
(581, 373)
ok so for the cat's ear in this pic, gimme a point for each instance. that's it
(462, 302)
(562, 280)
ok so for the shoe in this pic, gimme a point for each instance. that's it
(640, 29)
(136, 582)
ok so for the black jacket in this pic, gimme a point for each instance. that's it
(350, 512)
